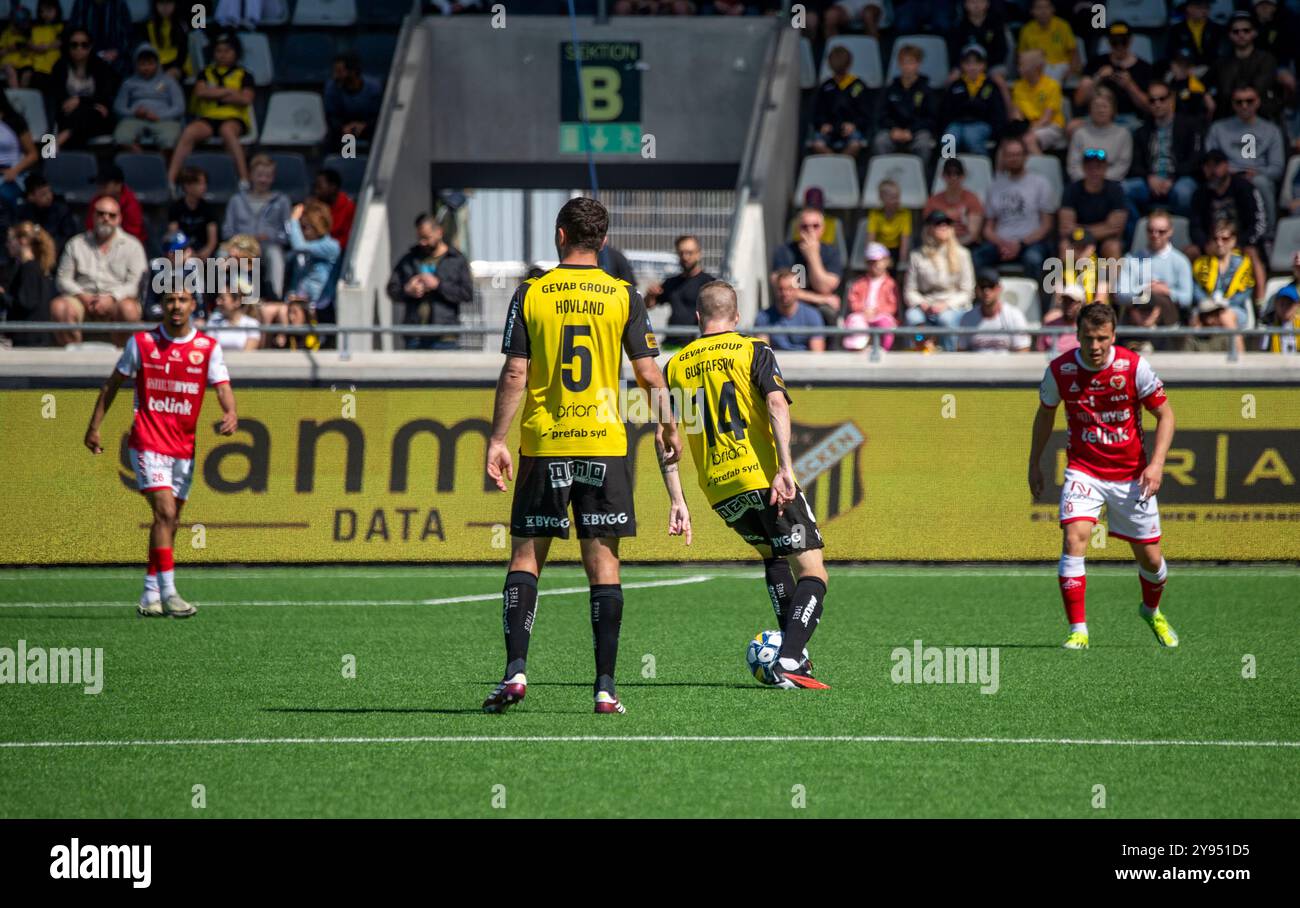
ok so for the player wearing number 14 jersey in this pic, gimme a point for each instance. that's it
(1104, 388)
(739, 434)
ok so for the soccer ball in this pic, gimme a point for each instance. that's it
(762, 653)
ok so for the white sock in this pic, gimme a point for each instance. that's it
(151, 587)
(1159, 576)
(1080, 628)
(167, 583)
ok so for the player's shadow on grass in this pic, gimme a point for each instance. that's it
(587, 684)
(44, 617)
(366, 710)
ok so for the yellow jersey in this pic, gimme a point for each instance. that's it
(1035, 100)
(1056, 41)
(570, 324)
(724, 380)
(889, 231)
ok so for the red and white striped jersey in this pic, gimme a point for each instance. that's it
(1102, 410)
(171, 376)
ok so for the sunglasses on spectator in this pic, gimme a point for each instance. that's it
(1243, 31)
(105, 213)
(1155, 232)
(1164, 97)
(1242, 102)
(810, 225)
(78, 44)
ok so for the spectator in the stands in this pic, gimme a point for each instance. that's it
(841, 118)
(681, 291)
(222, 105)
(262, 212)
(99, 276)
(167, 31)
(1198, 34)
(1049, 33)
(848, 15)
(1283, 311)
(1018, 214)
(1214, 312)
(328, 189)
(872, 300)
(193, 216)
(352, 101)
(43, 208)
(992, 314)
(980, 24)
(28, 284)
(1038, 104)
(231, 325)
(150, 105)
(818, 266)
(15, 48)
(1225, 274)
(1225, 195)
(83, 91)
(1249, 64)
(1064, 314)
(112, 182)
(109, 24)
(1121, 72)
(891, 223)
(1254, 146)
(1166, 151)
(908, 120)
(964, 208)
(17, 152)
(1277, 31)
(46, 43)
(1096, 204)
(1079, 267)
(1100, 130)
(787, 311)
(940, 279)
(973, 106)
(432, 281)
(1144, 310)
(315, 254)
(1191, 97)
(1161, 271)
(241, 14)
(614, 263)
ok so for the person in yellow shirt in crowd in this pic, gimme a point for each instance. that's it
(16, 48)
(1051, 34)
(890, 225)
(47, 42)
(1038, 101)
(222, 105)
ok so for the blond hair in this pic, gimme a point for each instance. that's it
(244, 244)
(316, 215)
(39, 240)
(931, 248)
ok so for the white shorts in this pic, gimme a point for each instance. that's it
(158, 471)
(1128, 516)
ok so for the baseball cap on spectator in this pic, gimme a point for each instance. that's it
(146, 49)
(1074, 292)
(1119, 30)
(975, 48)
(228, 37)
(1211, 304)
(954, 166)
(988, 277)
(1080, 236)
(813, 197)
(176, 242)
(876, 252)
(1241, 16)
(937, 217)
(1213, 156)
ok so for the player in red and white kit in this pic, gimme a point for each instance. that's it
(1103, 387)
(173, 365)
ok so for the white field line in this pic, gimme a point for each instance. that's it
(450, 600)
(651, 739)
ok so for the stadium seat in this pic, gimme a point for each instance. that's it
(979, 174)
(291, 175)
(140, 9)
(1142, 48)
(257, 57)
(1270, 289)
(223, 180)
(353, 171)
(28, 102)
(934, 63)
(383, 12)
(275, 12)
(339, 13)
(295, 118)
(807, 65)
(1182, 233)
(305, 58)
(1288, 180)
(1285, 244)
(903, 169)
(376, 50)
(146, 174)
(866, 59)
(72, 175)
(198, 54)
(1050, 167)
(835, 174)
(1022, 293)
(1138, 13)
(1221, 10)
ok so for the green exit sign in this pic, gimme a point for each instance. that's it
(602, 138)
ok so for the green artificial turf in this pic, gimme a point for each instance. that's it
(253, 670)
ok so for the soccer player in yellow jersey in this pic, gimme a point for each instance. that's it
(564, 336)
(740, 441)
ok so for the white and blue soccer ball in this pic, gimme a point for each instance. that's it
(762, 653)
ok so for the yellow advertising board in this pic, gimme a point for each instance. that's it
(396, 474)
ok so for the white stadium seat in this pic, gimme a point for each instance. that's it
(257, 57)
(979, 174)
(1022, 293)
(1138, 13)
(295, 118)
(866, 59)
(1221, 11)
(1288, 180)
(934, 60)
(807, 65)
(835, 174)
(1049, 166)
(325, 12)
(1285, 244)
(1142, 48)
(28, 102)
(903, 169)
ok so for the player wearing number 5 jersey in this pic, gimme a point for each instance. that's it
(173, 366)
(1104, 388)
(739, 437)
(565, 336)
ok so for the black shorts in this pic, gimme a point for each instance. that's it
(750, 515)
(215, 125)
(599, 488)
